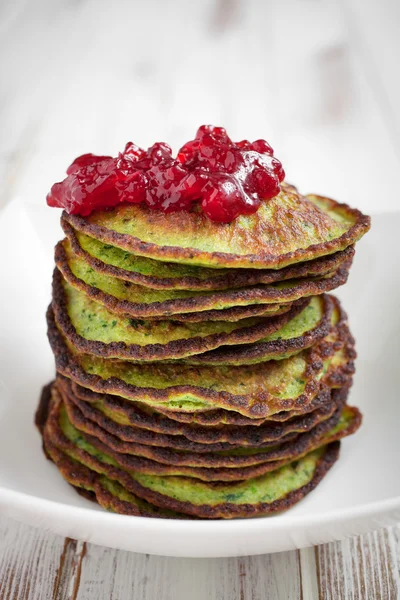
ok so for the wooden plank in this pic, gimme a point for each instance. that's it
(359, 568)
(68, 578)
(308, 574)
(112, 575)
(39, 565)
(30, 561)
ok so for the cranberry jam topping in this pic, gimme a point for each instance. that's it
(226, 179)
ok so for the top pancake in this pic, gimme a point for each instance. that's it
(288, 229)
(109, 260)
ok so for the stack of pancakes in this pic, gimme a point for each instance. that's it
(202, 368)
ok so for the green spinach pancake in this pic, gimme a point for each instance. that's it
(271, 492)
(92, 328)
(110, 260)
(123, 297)
(288, 229)
(256, 390)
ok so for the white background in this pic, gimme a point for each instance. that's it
(317, 78)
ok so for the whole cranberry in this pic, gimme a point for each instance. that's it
(262, 147)
(85, 161)
(222, 200)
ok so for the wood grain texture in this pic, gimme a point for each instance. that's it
(29, 562)
(35, 564)
(360, 568)
(109, 574)
(68, 580)
(308, 574)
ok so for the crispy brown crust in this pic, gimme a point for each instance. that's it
(235, 278)
(190, 255)
(236, 313)
(53, 435)
(81, 477)
(220, 416)
(183, 347)
(257, 407)
(110, 502)
(78, 475)
(211, 418)
(79, 413)
(246, 436)
(211, 466)
(87, 494)
(336, 378)
(42, 410)
(259, 350)
(230, 510)
(252, 295)
(171, 456)
(234, 472)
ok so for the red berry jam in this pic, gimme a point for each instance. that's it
(225, 178)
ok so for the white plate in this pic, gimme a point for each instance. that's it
(361, 492)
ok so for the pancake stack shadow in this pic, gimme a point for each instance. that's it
(189, 391)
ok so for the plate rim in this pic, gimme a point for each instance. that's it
(60, 517)
(376, 506)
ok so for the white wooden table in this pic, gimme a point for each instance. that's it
(319, 80)
(36, 565)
